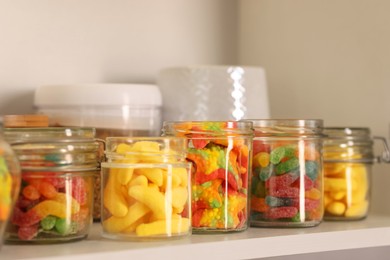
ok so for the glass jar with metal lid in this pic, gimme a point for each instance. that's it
(348, 159)
(287, 177)
(58, 166)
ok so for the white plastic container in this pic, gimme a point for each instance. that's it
(113, 109)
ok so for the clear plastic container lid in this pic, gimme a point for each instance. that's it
(104, 106)
(98, 95)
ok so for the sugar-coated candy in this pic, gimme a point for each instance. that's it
(288, 184)
(46, 203)
(48, 222)
(281, 212)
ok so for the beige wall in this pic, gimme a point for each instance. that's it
(92, 41)
(324, 59)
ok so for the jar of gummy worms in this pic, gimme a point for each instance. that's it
(9, 183)
(220, 153)
(348, 159)
(287, 178)
(58, 168)
(146, 188)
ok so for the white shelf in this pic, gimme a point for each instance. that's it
(253, 243)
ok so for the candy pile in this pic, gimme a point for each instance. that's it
(220, 177)
(346, 188)
(52, 206)
(286, 183)
(145, 195)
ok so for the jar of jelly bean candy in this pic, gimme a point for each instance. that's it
(9, 183)
(58, 169)
(146, 188)
(220, 153)
(348, 160)
(287, 178)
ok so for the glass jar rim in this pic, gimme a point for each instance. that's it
(288, 127)
(45, 134)
(214, 128)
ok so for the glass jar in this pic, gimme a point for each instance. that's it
(145, 188)
(58, 166)
(9, 184)
(220, 153)
(287, 178)
(348, 159)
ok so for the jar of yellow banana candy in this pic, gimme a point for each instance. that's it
(146, 188)
(348, 159)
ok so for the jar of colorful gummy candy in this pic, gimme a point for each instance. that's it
(146, 188)
(287, 179)
(348, 160)
(58, 170)
(220, 154)
(9, 183)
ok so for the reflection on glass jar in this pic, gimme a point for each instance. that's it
(220, 153)
(286, 188)
(348, 160)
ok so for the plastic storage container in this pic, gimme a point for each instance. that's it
(113, 109)
(59, 166)
(9, 183)
(287, 176)
(146, 189)
(348, 160)
(220, 153)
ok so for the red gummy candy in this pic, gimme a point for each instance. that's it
(24, 219)
(281, 212)
(57, 182)
(259, 146)
(196, 217)
(200, 143)
(28, 233)
(310, 204)
(280, 182)
(308, 183)
(79, 191)
(288, 192)
(30, 192)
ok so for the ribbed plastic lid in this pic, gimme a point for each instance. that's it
(98, 95)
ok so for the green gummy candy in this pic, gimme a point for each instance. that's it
(281, 152)
(277, 154)
(287, 166)
(265, 173)
(277, 202)
(48, 223)
(63, 226)
(296, 218)
(311, 168)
